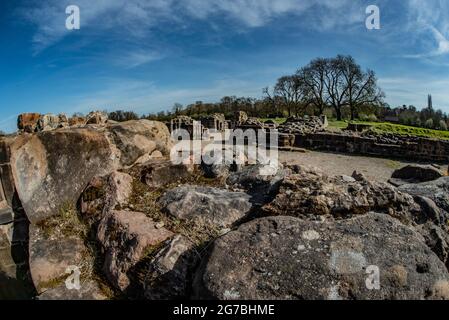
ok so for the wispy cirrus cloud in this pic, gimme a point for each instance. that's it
(136, 18)
(429, 22)
(136, 58)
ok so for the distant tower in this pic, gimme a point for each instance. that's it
(429, 102)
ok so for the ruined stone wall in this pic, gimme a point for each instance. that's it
(13, 234)
(416, 149)
(6, 183)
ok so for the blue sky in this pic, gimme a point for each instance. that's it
(147, 55)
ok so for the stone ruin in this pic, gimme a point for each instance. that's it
(35, 122)
(42, 174)
(164, 231)
(195, 129)
(310, 133)
(240, 117)
(302, 125)
(216, 121)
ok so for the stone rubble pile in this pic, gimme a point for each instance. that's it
(102, 198)
(303, 125)
(35, 122)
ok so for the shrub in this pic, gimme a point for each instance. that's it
(363, 117)
(367, 117)
(372, 118)
(443, 125)
(429, 123)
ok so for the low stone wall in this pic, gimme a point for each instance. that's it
(414, 149)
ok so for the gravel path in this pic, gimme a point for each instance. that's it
(378, 169)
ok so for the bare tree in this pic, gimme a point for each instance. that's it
(313, 77)
(361, 87)
(272, 101)
(177, 108)
(335, 85)
(291, 90)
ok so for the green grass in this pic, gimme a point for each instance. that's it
(338, 124)
(385, 127)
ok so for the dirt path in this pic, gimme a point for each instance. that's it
(378, 169)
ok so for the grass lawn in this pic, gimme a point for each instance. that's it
(385, 127)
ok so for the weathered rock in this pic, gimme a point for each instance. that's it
(436, 239)
(160, 172)
(52, 168)
(258, 181)
(429, 211)
(206, 205)
(28, 122)
(77, 122)
(96, 117)
(11, 284)
(226, 162)
(358, 176)
(48, 122)
(290, 258)
(169, 273)
(253, 176)
(106, 193)
(296, 125)
(417, 173)
(63, 120)
(436, 190)
(126, 238)
(310, 194)
(7, 264)
(139, 137)
(89, 291)
(240, 117)
(50, 258)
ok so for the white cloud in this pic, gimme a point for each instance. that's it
(429, 21)
(136, 17)
(443, 43)
(137, 58)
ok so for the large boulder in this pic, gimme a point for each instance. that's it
(49, 257)
(311, 194)
(52, 168)
(168, 275)
(206, 205)
(160, 172)
(28, 122)
(436, 190)
(77, 121)
(225, 161)
(437, 239)
(48, 122)
(97, 117)
(137, 138)
(258, 180)
(106, 193)
(368, 257)
(127, 237)
(415, 174)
